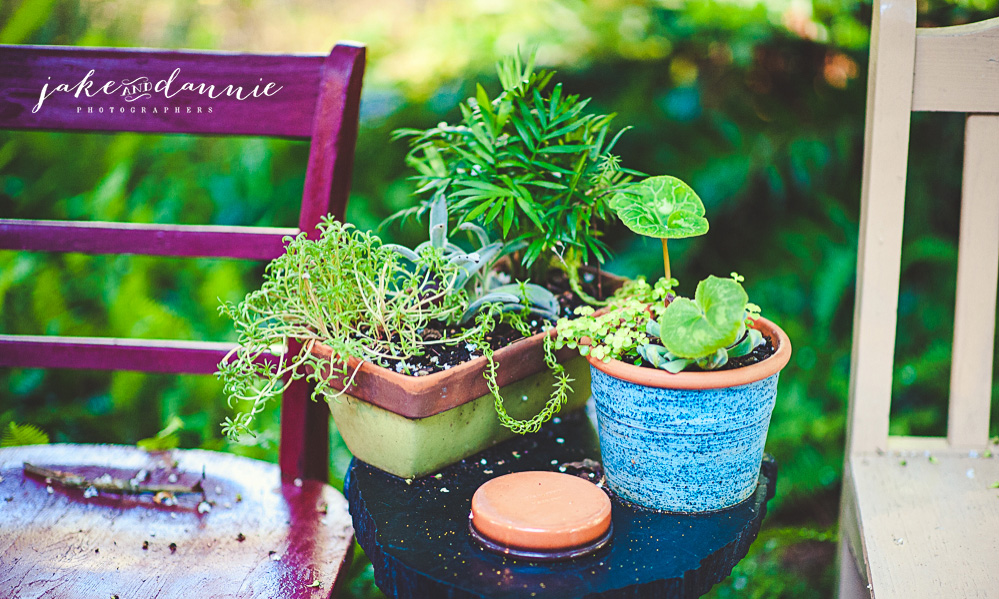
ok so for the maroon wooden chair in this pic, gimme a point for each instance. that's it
(258, 530)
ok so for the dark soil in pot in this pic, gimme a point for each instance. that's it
(759, 354)
(443, 357)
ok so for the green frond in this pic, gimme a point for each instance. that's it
(23, 434)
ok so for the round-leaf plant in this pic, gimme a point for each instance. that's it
(707, 330)
(663, 207)
(650, 324)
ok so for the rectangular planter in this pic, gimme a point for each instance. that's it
(413, 426)
(414, 447)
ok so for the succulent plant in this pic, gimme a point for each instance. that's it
(707, 330)
(476, 274)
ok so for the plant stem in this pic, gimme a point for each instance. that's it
(666, 258)
(600, 282)
(115, 485)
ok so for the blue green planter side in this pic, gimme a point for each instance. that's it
(682, 450)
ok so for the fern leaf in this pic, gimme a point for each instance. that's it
(23, 434)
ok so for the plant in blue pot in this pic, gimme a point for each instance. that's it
(684, 387)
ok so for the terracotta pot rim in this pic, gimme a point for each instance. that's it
(718, 379)
(476, 365)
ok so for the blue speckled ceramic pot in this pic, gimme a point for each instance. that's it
(687, 442)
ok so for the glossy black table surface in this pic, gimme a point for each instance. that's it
(416, 533)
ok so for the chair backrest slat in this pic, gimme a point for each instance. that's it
(249, 243)
(102, 353)
(881, 211)
(110, 89)
(977, 277)
(943, 69)
(957, 68)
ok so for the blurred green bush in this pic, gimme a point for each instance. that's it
(759, 106)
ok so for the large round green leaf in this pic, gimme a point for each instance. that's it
(662, 207)
(712, 321)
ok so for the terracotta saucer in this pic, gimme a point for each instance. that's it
(541, 516)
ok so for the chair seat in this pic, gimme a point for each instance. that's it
(930, 527)
(260, 538)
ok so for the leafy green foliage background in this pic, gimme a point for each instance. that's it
(759, 107)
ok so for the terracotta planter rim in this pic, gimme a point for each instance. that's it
(718, 379)
(435, 379)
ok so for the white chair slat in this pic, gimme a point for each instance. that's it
(977, 277)
(881, 212)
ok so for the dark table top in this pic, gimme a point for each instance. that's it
(416, 533)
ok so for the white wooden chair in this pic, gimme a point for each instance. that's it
(914, 525)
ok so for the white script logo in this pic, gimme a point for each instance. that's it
(143, 87)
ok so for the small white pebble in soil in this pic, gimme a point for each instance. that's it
(172, 478)
(557, 420)
(487, 471)
(218, 490)
(444, 490)
(90, 492)
(204, 507)
(554, 462)
(104, 479)
(275, 557)
(970, 473)
(139, 477)
(49, 489)
(447, 367)
(560, 440)
(523, 398)
(470, 347)
(434, 359)
(534, 323)
(899, 541)
(561, 468)
(298, 482)
(483, 461)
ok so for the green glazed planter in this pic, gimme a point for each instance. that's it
(413, 426)
(415, 447)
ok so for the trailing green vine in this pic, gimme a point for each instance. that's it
(487, 321)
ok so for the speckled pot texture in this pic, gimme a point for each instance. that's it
(690, 442)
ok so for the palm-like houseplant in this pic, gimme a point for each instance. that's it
(371, 317)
